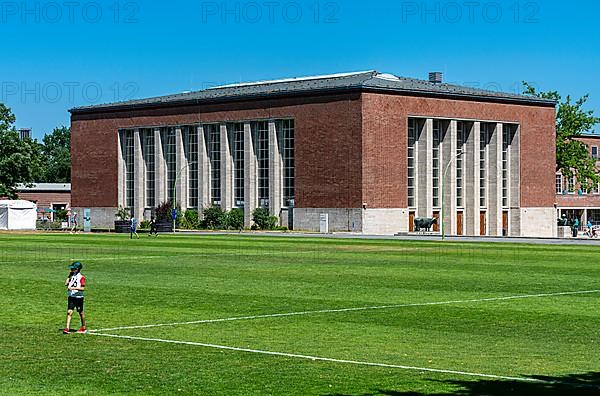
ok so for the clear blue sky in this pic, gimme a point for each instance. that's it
(57, 56)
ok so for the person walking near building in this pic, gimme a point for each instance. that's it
(575, 226)
(75, 284)
(74, 222)
(133, 228)
(153, 227)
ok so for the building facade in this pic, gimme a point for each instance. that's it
(572, 200)
(373, 151)
(49, 197)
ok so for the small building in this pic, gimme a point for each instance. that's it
(371, 150)
(571, 200)
(49, 197)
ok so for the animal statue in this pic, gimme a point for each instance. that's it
(424, 223)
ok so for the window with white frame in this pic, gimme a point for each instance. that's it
(595, 152)
(559, 183)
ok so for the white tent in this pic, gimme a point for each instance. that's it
(17, 215)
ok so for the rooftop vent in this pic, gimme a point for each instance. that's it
(436, 77)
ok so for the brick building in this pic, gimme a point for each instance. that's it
(372, 150)
(571, 200)
(49, 197)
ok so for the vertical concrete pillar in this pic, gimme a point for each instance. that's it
(160, 173)
(275, 171)
(203, 170)
(471, 180)
(250, 174)
(182, 169)
(121, 169)
(139, 176)
(494, 191)
(449, 162)
(226, 168)
(514, 155)
(425, 174)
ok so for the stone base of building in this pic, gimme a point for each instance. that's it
(340, 220)
(538, 222)
(100, 217)
(385, 221)
(366, 221)
(525, 222)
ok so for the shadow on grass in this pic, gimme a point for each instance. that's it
(569, 385)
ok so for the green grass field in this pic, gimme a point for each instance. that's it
(360, 317)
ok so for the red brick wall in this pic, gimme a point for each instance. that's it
(45, 199)
(328, 145)
(578, 201)
(385, 139)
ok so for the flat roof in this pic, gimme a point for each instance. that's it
(363, 81)
(49, 187)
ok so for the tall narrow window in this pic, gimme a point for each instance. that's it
(261, 132)
(506, 138)
(213, 136)
(460, 146)
(150, 172)
(191, 140)
(571, 184)
(171, 160)
(412, 138)
(595, 152)
(483, 146)
(288, 163)
(238, 164)
(437, 139)
(129, 176)
(559, 183)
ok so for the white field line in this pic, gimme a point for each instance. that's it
(331, 360)
(277, 315)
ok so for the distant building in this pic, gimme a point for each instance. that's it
(25, 133)
(374, 151)
(49, 197)
(571, 199)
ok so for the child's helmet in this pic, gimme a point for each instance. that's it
(76, 266)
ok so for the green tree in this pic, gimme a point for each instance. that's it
(20, 160)
(56, 148)
(573, 157)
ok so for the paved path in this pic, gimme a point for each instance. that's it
(345, 235)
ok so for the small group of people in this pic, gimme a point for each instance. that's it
(133, 228)
(591, 231)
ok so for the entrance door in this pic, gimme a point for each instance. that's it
(482, 225)
(505, 223)
(459, 223)
(411, 221)
(436, 226)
